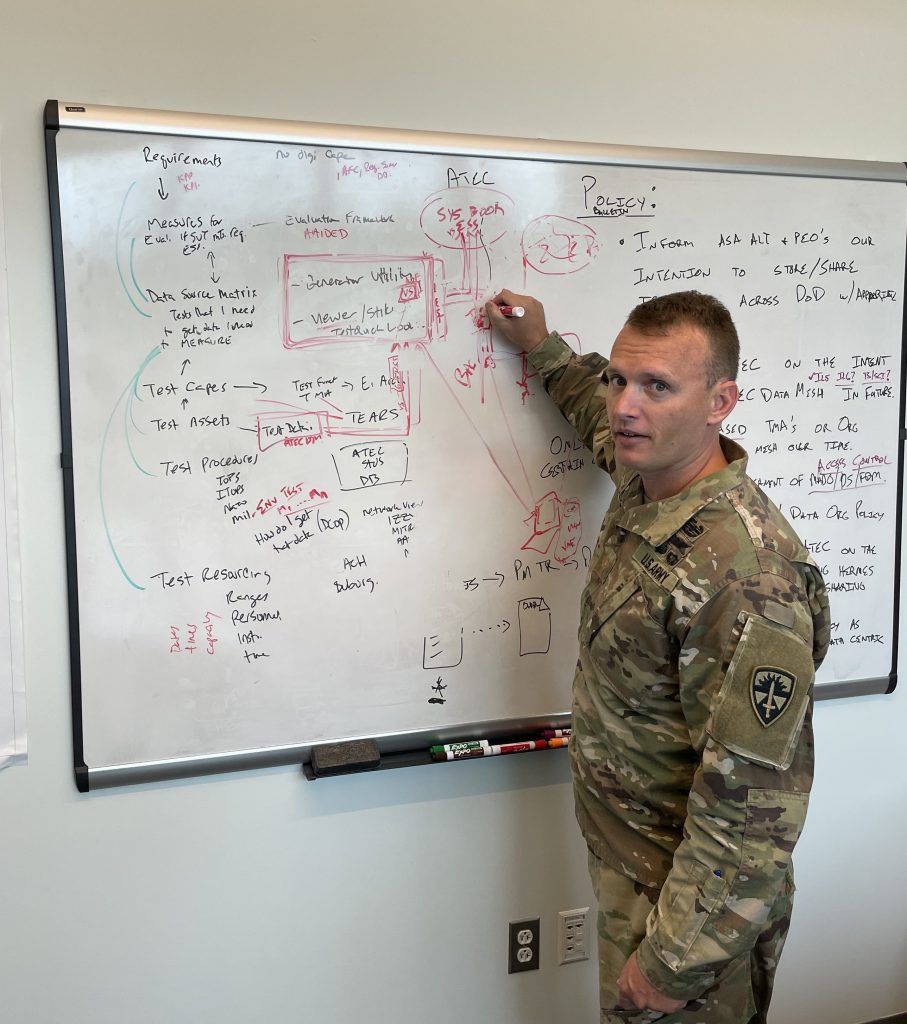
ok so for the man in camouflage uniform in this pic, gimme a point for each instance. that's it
(701, 626)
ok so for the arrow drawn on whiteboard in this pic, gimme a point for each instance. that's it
(254, 384)
(127, 395)
(120, 274)
(214, 279)
(160, 190)
(503, 626)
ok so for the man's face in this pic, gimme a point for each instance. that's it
(663, 416)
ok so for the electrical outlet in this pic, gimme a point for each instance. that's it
(523, 948)
(572, 938)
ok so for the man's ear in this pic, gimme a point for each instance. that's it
(724, 397)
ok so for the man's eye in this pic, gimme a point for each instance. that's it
(616, 381)
(659, 386)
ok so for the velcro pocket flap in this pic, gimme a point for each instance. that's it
(766, 692)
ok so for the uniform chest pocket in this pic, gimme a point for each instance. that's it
(631, 649)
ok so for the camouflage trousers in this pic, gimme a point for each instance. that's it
(741, 994)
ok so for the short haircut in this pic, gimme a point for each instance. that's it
(693, 309)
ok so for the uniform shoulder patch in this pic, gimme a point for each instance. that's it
(765, 694)
(771, 690)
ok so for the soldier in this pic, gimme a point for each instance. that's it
(701, 626)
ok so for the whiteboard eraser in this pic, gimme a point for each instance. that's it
(339, 758)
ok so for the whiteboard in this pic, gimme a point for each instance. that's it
(310, 498)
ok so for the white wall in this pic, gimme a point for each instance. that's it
(261, 896)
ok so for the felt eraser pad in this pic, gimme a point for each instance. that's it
(334, 758)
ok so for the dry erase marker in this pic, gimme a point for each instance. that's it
(440, 748)
(514, 748)
(552, 733)
(500, 748)
(512, 310)
(491, 751)
(458, 755)
(560, 741)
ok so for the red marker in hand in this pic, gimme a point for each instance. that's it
(511, 310)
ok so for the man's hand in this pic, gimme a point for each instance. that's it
(527, 331)
(637, 994)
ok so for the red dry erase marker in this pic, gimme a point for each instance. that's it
(513, 748)
(512, 310)
(558, 741)
(551, 733)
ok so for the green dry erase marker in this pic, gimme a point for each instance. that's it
(445, 748)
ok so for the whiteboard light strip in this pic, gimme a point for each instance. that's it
(221, 126)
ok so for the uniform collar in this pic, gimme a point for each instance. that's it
(656, 521)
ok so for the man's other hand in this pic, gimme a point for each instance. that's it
(637, 994)
(527, 331)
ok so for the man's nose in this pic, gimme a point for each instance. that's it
(624, 404)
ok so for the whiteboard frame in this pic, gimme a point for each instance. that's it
(261, 129)
(75, 115)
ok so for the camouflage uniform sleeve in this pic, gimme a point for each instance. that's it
(747, 665)
(575, 384)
